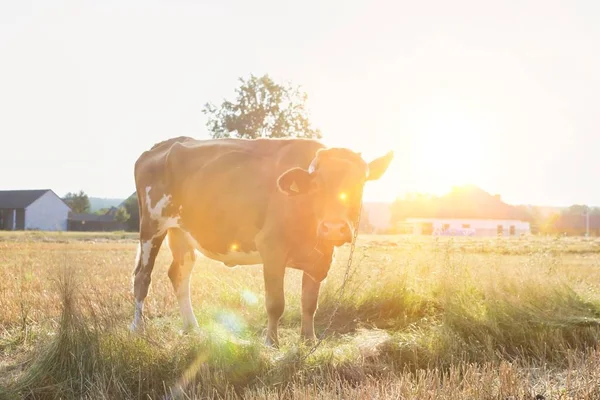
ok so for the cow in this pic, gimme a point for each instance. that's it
(285, 202)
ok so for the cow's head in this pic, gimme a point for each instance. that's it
(334, 181)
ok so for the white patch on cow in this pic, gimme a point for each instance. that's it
(231, 258)
(138, 254)
(138, 318)
(156, 211)
(156, 214)
(146, 248)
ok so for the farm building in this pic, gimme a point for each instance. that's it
(466, 210)
(466, 227)
(95, 222)
(32, 209)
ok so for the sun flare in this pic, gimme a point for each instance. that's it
(444, 144)
(449, 150)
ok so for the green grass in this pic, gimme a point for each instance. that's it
(446, 318)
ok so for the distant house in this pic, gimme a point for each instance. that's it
(466, 227)
(95, 222)
(32, 209)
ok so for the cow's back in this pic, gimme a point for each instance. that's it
(220, 189)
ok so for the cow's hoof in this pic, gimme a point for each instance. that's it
(137, 329)
(308, 340)
(274, 344)
(190, 331)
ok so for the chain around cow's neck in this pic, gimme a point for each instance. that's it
(342, 288)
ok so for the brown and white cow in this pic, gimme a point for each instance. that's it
(277, 202)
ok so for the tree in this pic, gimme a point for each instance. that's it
(535, 217)
(79, 202)
(461, 202)
(365, 225)
(262, 108)
(548, 225)
(581, 209)
(122, 215)
(132, 208)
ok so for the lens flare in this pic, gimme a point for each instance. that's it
(249, 298)
(231, 322)
(343, 196)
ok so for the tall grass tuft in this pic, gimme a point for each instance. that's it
(91, 356)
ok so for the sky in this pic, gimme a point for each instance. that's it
(503, 95)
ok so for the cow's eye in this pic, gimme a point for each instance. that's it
(343, 196)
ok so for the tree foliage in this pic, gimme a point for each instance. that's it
(580, 210)
(573, 221)
(121, 215)
(262, 108)
(78, 202)
(132, 208)
(548, 225)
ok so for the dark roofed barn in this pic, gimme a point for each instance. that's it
(32, 209)
(95, 222)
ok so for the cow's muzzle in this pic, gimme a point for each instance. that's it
(336, 231)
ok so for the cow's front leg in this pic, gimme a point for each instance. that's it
(310, 298)
(274, 300)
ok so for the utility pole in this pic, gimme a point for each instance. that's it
(587, 221)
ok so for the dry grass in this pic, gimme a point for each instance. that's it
(423, 318)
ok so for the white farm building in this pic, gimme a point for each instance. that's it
(464, 211)
(466, 227)
(32, 209)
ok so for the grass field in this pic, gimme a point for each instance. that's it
(421, 318)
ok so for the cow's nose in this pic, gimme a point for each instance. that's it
(337, 231)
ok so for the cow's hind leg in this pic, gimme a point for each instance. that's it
(150, 242)
(180, 273)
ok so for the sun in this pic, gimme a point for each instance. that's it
(449, 149)
(449, 142)
(439, 141)
(444, 144)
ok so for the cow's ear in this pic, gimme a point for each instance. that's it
(295, 181)
(378, 166)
